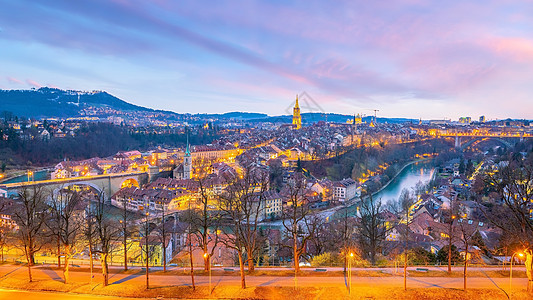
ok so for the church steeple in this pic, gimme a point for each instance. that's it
(187, 161)
(296, 117)
(187, 150)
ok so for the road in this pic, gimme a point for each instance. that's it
(138, 278)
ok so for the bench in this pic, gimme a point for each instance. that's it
(228, 270)
(321, 270)
(422, 269)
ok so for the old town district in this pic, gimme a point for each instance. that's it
(266, 198)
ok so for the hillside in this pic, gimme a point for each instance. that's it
(51, 102)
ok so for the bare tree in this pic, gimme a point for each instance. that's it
(207, 221)
(297, 221)
(449, 218)
(241, 206)
(404, 208)
(514, 184)
(147, 249)
(30, 215)
(162, 233)
(89, 231)
(190, 218)
(467, 232)
(126, 220)
(67, 221)
(107, 232)
(372, 228)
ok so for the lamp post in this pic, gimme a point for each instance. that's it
(206, 256)
(511, 272)
(350, 273)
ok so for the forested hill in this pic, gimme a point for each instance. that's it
(51, 102)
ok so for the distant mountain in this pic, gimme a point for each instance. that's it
(235, 115)
(56, 103)
(308, 118)
(51, 102)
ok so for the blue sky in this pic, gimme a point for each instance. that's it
(413, 58)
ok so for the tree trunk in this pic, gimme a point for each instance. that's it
(296, 256)
(29, 267)
(192, 265)
(464, 269)
(147, 266)
(405, 271)
(450, 255)
(251, 266)
(207, 259)
(164, 257)
(58, 253)
(105, 269)
(241, 266)
(345, 261)
(66, 273)
(91, 261)
(125, 243)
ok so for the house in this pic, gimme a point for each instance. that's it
(345, 189)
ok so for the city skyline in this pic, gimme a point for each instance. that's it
(415, 59)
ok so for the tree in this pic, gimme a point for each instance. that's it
(30, 215)
(444, 255)
(107, 232)
(147, 249)
(241, 206)
(404, 208)
(467, 233)
(126, 218)
(372, 229)
(297, 221)
(162, 234)
(89, 232)
(67, 221)
(207, 221)
(449, 218)
(514, 184)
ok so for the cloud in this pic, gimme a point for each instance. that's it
(14, 80)
(33, 83)
(349, 52)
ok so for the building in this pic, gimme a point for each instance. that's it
(296, 117)
(465, 120)
(482, 119)
(183, 171)
(345, 189)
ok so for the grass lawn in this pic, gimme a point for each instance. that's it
(182, 292)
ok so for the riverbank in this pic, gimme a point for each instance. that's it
(398, 173)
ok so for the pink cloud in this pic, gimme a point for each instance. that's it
(33, 83)
(519, 49)
(14, 80)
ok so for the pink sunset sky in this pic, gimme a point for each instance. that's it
(414, 58)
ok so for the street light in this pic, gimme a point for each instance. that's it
(350, 273)
(520, 254)
(206, 256)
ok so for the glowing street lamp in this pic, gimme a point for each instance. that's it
(206, 256)
(520, 254)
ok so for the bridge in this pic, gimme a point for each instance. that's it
(475, 135)
(107, 184)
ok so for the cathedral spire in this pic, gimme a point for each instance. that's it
(187, 150)
(296, 117)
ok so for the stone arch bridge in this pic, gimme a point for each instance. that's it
(108, 184)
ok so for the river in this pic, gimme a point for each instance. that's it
(421, 171)
(37, 176)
